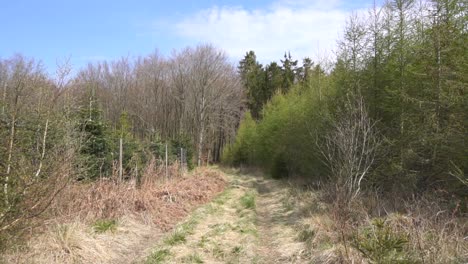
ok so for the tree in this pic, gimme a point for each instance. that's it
(289, 67)
(253, 79)
(38, 143)
(96, 149)
(212, 91)
(350, 147)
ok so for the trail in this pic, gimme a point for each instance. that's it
(250, 222)
(278, 238)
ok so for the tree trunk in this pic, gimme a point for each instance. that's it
(10, 154)
(167, 176)
(201, 133)
(43, 148)
(121, 159)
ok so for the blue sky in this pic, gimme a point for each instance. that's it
(91, 30)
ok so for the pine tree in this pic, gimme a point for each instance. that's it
(96, 150)
(252, 75)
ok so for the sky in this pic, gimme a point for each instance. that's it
(86, 31)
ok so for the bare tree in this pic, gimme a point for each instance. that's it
(196, 93)
(209, 88)
(349, 149)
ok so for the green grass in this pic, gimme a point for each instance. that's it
(182, 231)
(104, 225)
(202, 242)
(248, 200)
(288, 202)
(178, 236)
(237, 250)
(158, 256)
(306, 234)
(223, 197)
(194, 258)
(219, 229)
(218, 252)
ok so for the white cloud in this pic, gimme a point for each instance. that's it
(305, 28)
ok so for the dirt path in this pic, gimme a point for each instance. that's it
(276, 222)
(250, 222)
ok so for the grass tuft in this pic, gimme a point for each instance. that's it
(306, 234)
(194, 258)
(158, 256)
(104, 225)
(248, 200)
(178, 236)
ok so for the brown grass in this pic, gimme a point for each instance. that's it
(65, 233)
(166, 201)
(435, 234)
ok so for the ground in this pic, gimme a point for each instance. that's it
(250, 222)
(226, 216)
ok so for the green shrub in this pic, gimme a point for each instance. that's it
(241, 152)
(279, 168)
(96, 150)
(248, 200)
(380, 244)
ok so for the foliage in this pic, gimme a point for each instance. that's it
(38, 143)
(409, 71)
(131, 147)
(248, 201)
(183, 142)
(242, 151)
(158, 148)
(283, 142)
(263, 82)
(96, 150)
(279, 168)
(380, 244)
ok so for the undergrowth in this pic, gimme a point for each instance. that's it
(377, 229)
(380, 244)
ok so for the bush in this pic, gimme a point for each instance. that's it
(242, 151)
(380, 244)
(248, 201)
(284, 141)
(279, 168)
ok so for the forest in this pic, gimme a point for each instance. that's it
(389, 113)
(383, 120)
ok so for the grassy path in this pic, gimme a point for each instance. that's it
(250, 222)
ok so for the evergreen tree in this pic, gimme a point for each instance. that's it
(289, 67)
(253, 77)
(96, 150)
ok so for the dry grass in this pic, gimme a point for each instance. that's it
(76, 242)
(434, 234)
(166, 201)
(220, 232)
(139, 215)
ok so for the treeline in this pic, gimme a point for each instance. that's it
(54, 129)
(389, 115)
